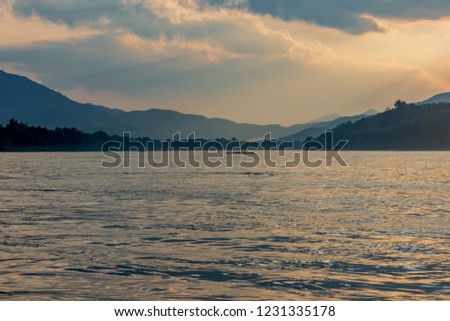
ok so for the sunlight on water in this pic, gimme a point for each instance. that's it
(378, 229)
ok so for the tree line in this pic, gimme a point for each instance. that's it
(19, 136)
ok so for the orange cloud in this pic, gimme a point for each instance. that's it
(19, 31)
(200, 50)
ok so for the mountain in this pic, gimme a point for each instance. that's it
(35, 104)
(326, 118)
(316, 129)
(406, 127)
(32, 103)
(370, 112)
(439, 98)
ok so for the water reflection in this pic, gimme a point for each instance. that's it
(376, 230)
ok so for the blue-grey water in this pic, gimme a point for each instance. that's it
(378, 229)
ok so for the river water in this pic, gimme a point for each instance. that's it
(378, 229)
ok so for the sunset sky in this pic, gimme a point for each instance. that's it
(259, 61)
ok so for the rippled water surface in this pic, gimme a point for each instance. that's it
(378, 229)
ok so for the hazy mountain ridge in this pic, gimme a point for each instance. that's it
(405, 127)
(439, 98)
(35, 104)
(317, 129)
(38, 105)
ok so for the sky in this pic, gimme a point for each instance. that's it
(257, 61)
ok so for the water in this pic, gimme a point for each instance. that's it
(378, 229)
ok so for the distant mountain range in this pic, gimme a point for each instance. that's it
(315, 129)
(35, 104)
(420, 126)
(326, 118)
(440, 98)
(405, 127)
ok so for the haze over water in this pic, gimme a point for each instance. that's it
(378, 229)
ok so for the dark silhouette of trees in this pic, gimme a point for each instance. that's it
(19, 136)
(399, 104)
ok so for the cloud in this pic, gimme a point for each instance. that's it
(71, 12)
(214, 31)
(352, 16)
(125, 64)
(200, 50)
(25, 31)
(240, 59)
